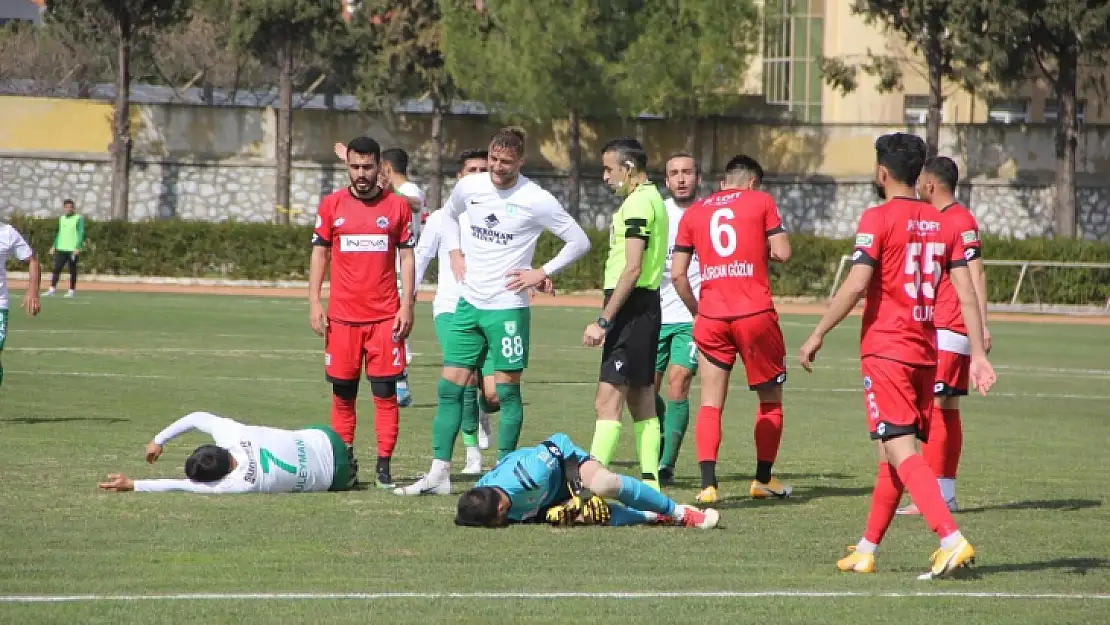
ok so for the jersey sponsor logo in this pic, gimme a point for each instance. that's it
(970, 236)
(735, 269)
(339, 222)
(922, 227)
(865, 240)
(491, 221)
(721, 200)
(489, 235)
(382, 222)
(364, 243)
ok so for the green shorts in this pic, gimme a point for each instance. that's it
(493, 340)
(3, 327)
(677, 347)
(341, 480)
(443, 323)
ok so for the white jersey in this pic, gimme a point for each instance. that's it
(674, 311)
(431, 246)
(410, 190)
(504, 228)
(268, 460)
(11, 244)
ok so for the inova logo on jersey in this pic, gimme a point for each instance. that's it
(364, 243)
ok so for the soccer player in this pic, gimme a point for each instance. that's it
(67, 246)
(359, 233)
(12, 244)
(677, 359)
(528, 484)
(736, 233)
(904, 247)
(630, 320)
(394, 173)
(506, 213)
(937, 185)
(248, 459)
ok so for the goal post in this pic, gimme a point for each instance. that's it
(1044, 286)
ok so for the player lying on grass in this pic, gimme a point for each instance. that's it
(248, 459)
(558, 482)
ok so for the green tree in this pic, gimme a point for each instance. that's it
(284, 35)
(688, 60)
(129, 26)
(407, 62)
(941, 33)
(1056, 39)
(537, 61)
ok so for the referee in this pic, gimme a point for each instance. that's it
(630, 321)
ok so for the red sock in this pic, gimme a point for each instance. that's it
(884, 502)
(935, 450)
(343, 418)
(387, 418)
(768, 431)
(707, 433)
(955, 443)
(922, 484)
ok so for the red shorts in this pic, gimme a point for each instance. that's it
(898, 397)
(756, 339)
(953, 372)
(345, 345)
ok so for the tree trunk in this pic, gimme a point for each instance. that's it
(574, 194)
(121, 121)
(435, 185)
(936, 102)
(284, 154)
(691, 142)
(1067, 139)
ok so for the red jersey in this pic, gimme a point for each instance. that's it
(363, 237)
(948, 314)
(728, 231)
(912, 247)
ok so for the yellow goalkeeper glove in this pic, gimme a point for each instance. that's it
(595, 511)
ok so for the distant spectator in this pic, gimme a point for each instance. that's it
(68, 244)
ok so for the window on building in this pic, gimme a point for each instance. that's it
(793, 46)
(1009, 111)
(1052, 110)
(915, 109)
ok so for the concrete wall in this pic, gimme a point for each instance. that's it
(217, 163)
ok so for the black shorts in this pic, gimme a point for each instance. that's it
(628, 356)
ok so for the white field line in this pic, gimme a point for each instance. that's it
(545, 596)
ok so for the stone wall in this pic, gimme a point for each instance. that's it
(244, 190)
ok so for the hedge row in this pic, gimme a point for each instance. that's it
(269, 252)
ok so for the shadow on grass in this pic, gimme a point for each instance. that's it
(50, 420)
(801, 495)
(1071, 566)
(1064, 505)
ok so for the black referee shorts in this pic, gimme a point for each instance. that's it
(628, 356)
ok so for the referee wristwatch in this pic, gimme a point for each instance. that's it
(604, 323)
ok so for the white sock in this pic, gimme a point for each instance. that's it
(866, 546)
(441, 469)
(951, 540)
(652, 517)
(679, 514)
(473, 453)
(947, 488)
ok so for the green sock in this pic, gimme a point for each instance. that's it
(647, 447)
(675, 423)
(486, 408)
(448, 419)
(470, 416)
(606, 435)
(511, 420)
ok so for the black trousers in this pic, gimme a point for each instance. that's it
(61, 259)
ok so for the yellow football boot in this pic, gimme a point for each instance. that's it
(946, 561)
(708, 495)
(857, 562)
(774, 488)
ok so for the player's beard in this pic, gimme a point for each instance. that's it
(687, 197)
(363, 187)
(879, 190)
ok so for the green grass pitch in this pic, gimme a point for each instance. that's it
(93, 379)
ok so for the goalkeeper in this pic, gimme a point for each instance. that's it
(559, 483)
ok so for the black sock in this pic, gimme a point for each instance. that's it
(763, 471)
(383, 465)
(708, 473)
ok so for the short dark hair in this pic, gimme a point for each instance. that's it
(398, 158)
(209, 463)
(684, 154)
(744, 165)
(470, 154)
(945, 169)
(478, 507)
(902, 154)
(628, 149)
(365, 146)
(509, 138)
(69, 202)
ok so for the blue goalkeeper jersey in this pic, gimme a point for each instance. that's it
(533, 477)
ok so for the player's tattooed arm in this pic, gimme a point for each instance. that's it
(846, 298)
(680, 276)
